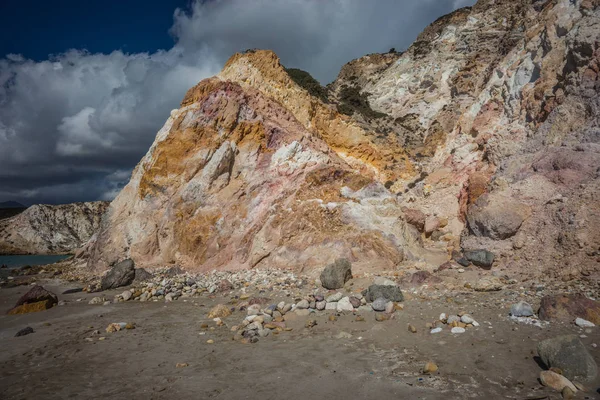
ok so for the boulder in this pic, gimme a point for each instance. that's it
(121, 274)
(488, 284)
(335, 275)
(31, 307)
(521, 309)
(569, 355)
(25, 331)
(379, 304)
(141, 275)
(566, 307)
(556, 381)
(37, 294)
(415, 218)
(496, 217)
(219, 311)
(481, 258)
(389, 292)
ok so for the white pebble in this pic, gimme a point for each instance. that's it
(435, 330)
(458, 329)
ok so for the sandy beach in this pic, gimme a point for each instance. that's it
(70, 355)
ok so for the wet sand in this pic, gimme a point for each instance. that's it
(380, 360)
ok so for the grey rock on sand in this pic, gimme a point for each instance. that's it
(389, 292)
(570, 355)
(521, 309)
(481, 258)
(25, 331)
(335, 275)
(379, 304)
(121, 274)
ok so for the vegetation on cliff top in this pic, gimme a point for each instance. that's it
(307, 82)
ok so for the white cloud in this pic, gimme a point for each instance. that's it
(68, 123)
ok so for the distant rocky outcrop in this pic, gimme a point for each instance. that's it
(51, 229)
(484, 134)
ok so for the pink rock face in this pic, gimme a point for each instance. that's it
(232, 181)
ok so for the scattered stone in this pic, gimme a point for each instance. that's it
(556, 381)
(435, 330)
(390, 307)
(335, 297)
(359, 318)
(320, 305)
(467, 319)
(488, 284)
(379, 304)
(458, 329)
(302, 305)
(126, 295)
(566, 307)
(116, 326)
(389, 292)
(310, 323)
(25, 331)
(355, 301)
(181, 365)
(412, 329)
(333, 318)
(570, 355)
(521, 309)
(582, 323)
(210, 341)
(430, 368)
(219, 311)
(345, 305)
(380, 317)
(121, 274)
(335, 275)
(481, 258)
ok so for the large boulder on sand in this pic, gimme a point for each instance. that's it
(569, 355)
(121, 274)
(335, 275)
(567, 307)
(36, 299)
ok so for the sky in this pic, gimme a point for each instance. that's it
(85, 86)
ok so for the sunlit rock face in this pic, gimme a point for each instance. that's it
(502, 99)
(487, 127)
(250, 171)
(49, 229)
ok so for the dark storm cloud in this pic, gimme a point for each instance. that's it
(73, 127)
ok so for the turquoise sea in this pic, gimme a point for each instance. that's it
(19, 261)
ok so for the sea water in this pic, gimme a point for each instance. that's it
(20, 260)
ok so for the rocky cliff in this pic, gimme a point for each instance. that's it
(47, 229)
(483, 134)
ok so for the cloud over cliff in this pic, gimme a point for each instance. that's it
(73, 126)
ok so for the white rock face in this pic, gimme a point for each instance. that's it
(49, 229)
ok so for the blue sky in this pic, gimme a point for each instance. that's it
(99, 26)
(85, 85)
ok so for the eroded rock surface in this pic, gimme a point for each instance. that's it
(47, 229)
